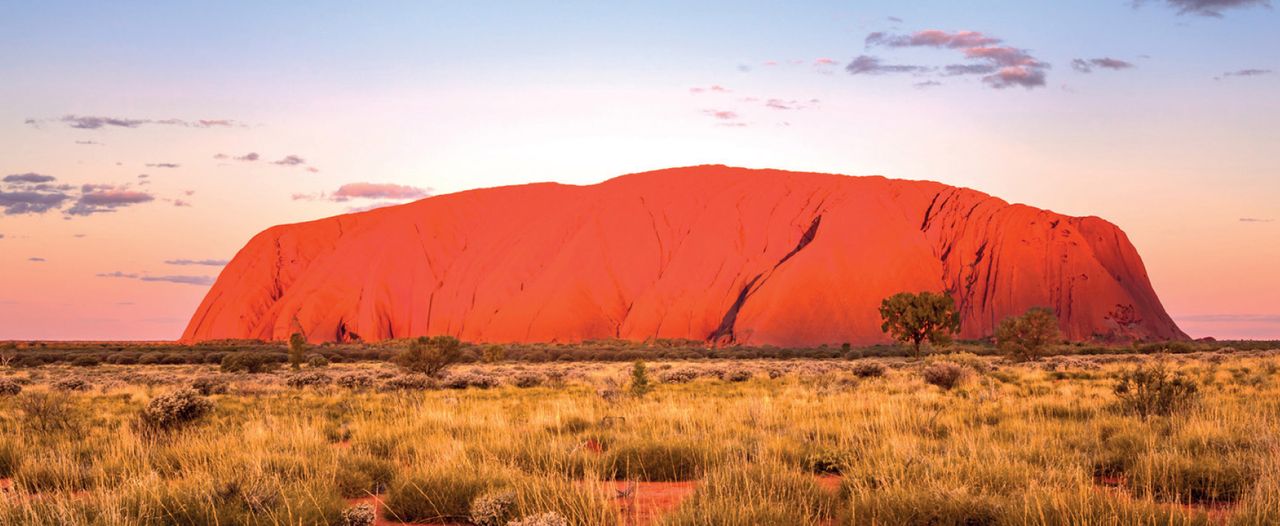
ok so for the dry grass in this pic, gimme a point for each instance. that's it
(1039, 443)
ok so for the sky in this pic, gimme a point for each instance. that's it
(144, 143)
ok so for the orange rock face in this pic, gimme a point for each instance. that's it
(707, 253)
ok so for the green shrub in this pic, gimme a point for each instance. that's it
(1028, 336)
(640, 384)
(360, 475)
(9, 387)
(865, 369)
(1154, 390)
(248, 362)
(430, 356)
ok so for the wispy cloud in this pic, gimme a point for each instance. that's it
(1002, 66)
(1087, 65)
(204, 262)
(97, 199)
(1210, 8)
(86, 122)
(32, 193)
(248, 157)
(290, 160)
(163, 165)
(29, 177)
(1251, 72)
(36, 259)
(185, 280)
(1255, 220)
(1233, 318)
(714, 88)
(350, 191)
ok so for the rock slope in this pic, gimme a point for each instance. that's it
(714, 253)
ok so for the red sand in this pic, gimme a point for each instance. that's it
(704, 253)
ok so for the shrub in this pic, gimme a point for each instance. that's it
(1028, 336)
(735, 375)
(756, 494)
(640, 384)
(317, 361)
(309, 379)
(528, 379)
(430, 356)
(868, 369)
(355, 381)
(9, 387)
(435, 495)
(409, 382)
(174, 410)
(549, 518)
(916, 318)
(87, 360)
(493, 508)
(655, 461)
(493, 354)
(10, 458)
(946, 375)
(73, 384)
(248, 362)
(1154, 390)
(471, 379)
(47, 412)
(1201, 480)
(678, 376)
(359, 515)
(210, 385)
(297, 347)
(362, 474)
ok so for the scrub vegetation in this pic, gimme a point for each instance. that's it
(956, 438)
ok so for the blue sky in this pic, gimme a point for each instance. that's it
(447, 96)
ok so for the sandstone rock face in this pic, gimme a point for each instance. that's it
(712, 253)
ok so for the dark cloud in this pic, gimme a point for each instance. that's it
(869, 65)
(1087, 65)
(205, 262)
(31, 193)
(1212, 8)
(98, 198)
(36, 260)
(84, 122)
(29, 177)
(186, 280)
(290, 160)
(181, 203)
(895, 19)
(1002, 66)
(163, 165)
(377, 191)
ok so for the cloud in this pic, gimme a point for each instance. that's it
(1255, 220)
(36, 260)
(869, 65)
(290, 160)
(372, 206)
(1252, 72)
(205, 262)
(1210, 8)
(927, 84)
(96, 199)
(895, 20)
(84, 122)
(31, 193)
(377, 191)
(714, 88)
(1002, 66)
(185, 280)
(181, 203)
(88, 142)
(163, 165)
(724, 115)
(29, 177)
(932, 38)
(823, 61)
(1087, 65)
(248, 157)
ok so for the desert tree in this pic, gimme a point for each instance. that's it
(1028, 336)
(430, 355)
(915, 318)
(640, 384)
(297, 350)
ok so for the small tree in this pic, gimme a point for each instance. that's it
(297, 349)
(640, 384)
(1028, 336)
(914, 318)
(493, 354)
(430, 355)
